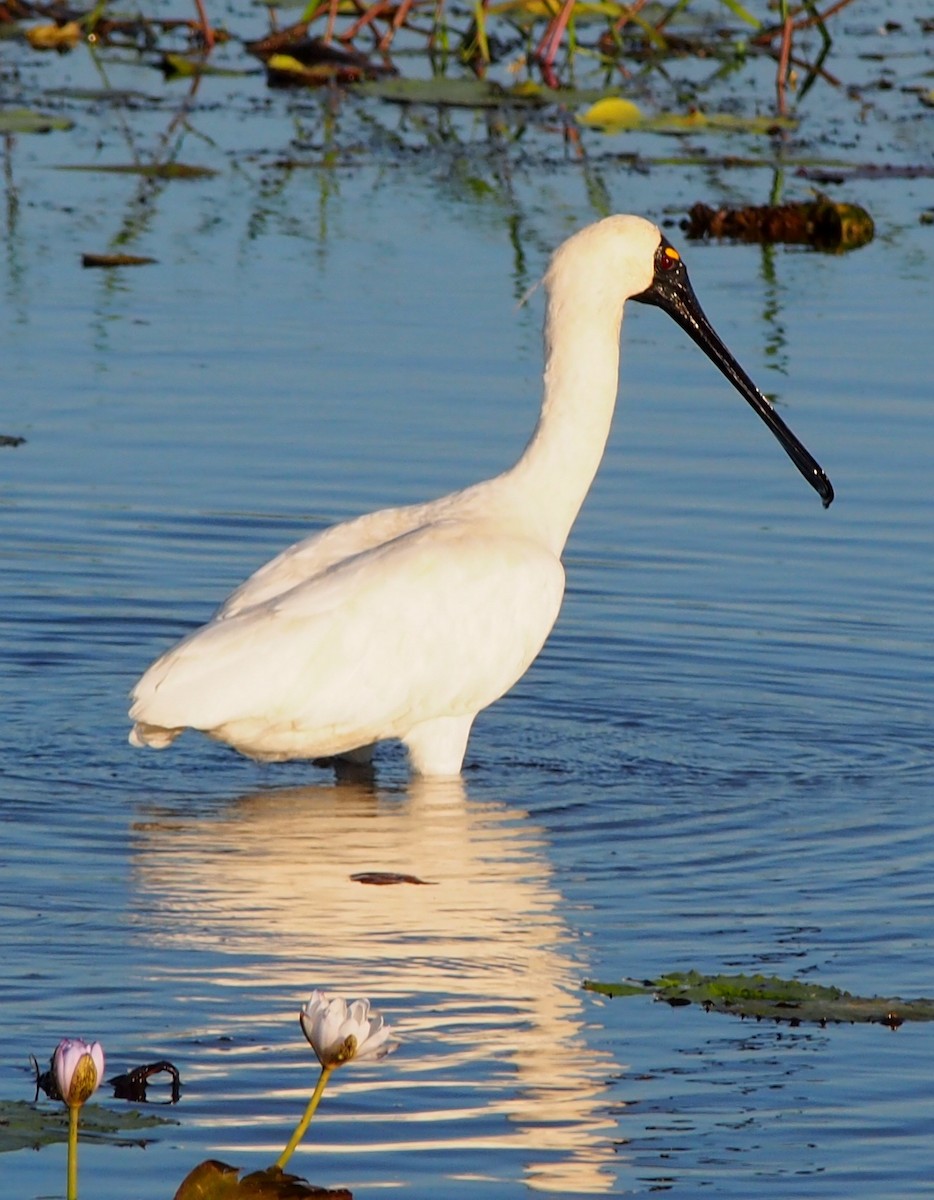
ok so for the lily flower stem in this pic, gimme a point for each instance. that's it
(303, 1124)
(73, 1111)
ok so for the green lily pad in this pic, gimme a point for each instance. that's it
(459, 93)
(25, 1126)
(187, 66)
(27, 120)
(767, 997)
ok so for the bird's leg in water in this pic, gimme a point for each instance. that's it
(437, 747)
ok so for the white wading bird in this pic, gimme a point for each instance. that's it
(407, 622)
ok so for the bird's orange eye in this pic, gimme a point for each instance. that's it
(666, 258)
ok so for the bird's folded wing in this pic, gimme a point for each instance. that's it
(442, 620)
(321, 552)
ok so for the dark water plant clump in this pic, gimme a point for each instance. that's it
(821, 222)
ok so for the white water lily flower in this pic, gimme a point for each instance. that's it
(79, 1069)
(339, 1032)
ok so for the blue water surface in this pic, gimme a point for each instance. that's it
(721, 761)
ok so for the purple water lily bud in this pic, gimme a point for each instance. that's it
(339, 1032)
(79, 1069)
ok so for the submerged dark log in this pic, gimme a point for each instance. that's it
(821, 223)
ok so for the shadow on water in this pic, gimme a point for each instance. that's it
(475, 966)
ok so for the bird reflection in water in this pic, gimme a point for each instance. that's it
(478, 972)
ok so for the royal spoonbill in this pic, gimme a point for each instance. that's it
(405, 623)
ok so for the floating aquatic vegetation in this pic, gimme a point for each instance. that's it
(822, 223)
(293, 60)
(452, 92)
(547, 36)
(193, 66)
(613, 114)
(768, 997)
(27, 120)
(24, 1126)
(213, 1180)
(843, 172)
(63, 27)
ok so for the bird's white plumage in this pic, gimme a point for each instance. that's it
(407, 622)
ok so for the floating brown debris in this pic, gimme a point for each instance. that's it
(116, 260)
(155, 170)
(386, 878)
(821, 223)
(866, 171)
(133, 1084)
(212, 1180)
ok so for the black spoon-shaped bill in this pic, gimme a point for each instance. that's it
(671, 291)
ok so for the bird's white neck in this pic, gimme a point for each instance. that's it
(581, 379)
